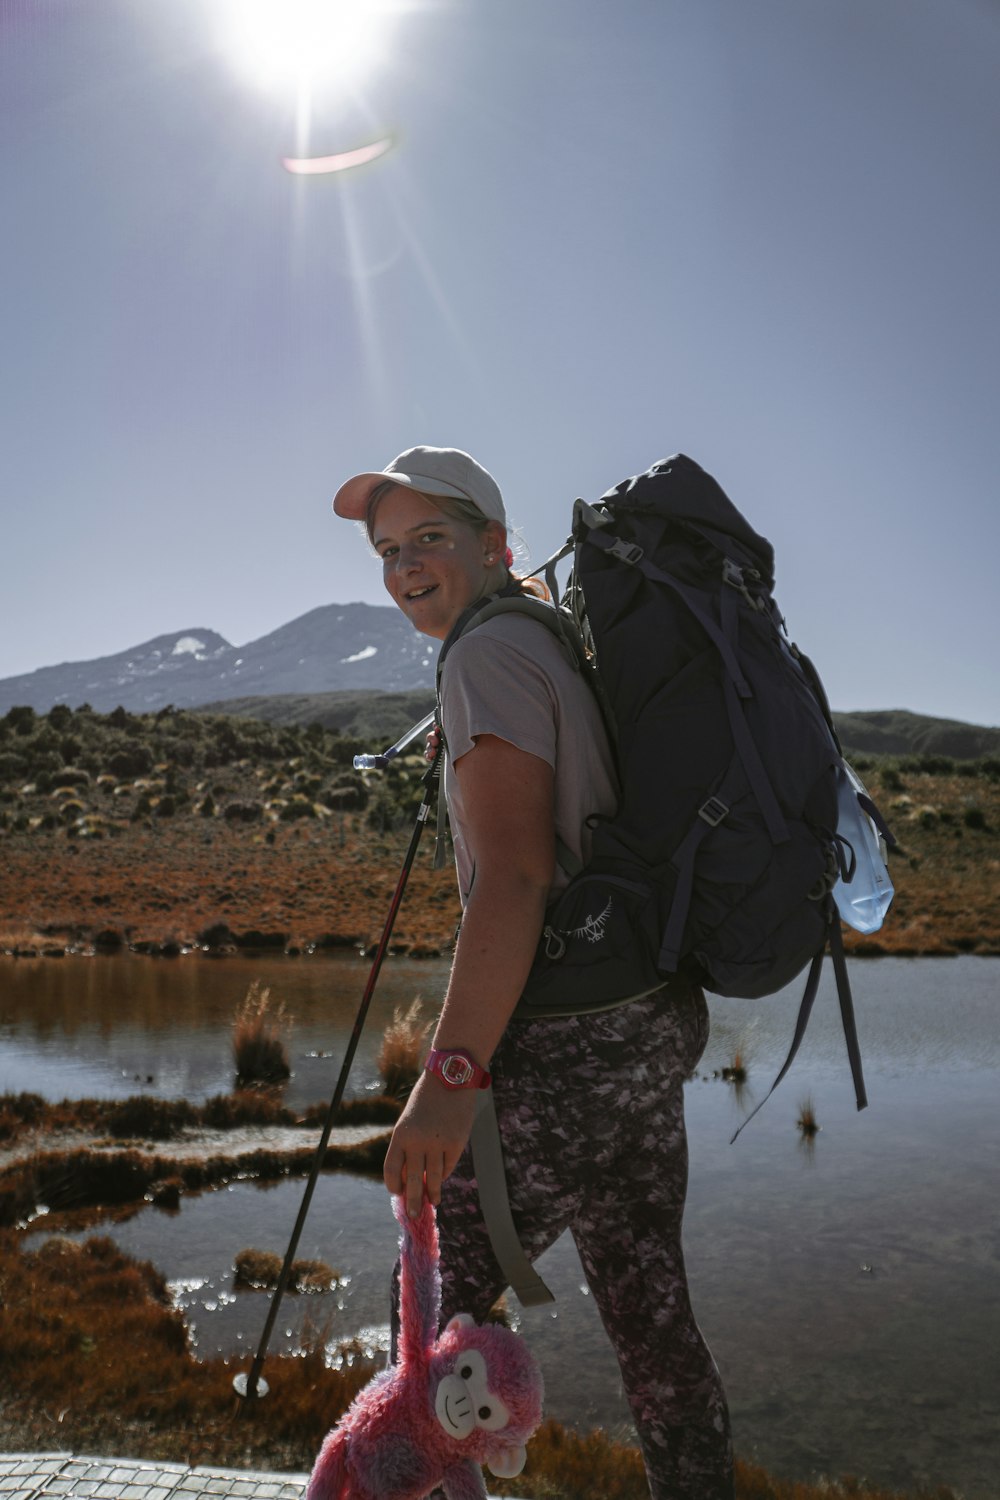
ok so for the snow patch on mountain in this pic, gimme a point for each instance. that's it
(188, 645)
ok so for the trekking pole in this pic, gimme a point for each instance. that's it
(248, 1384)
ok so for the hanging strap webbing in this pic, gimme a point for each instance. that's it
(735, 685)
(847, 1017)
(760, 782)
(847, 1010)
(491, 1177)
(710, 814)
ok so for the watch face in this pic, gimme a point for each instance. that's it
(457, 1070)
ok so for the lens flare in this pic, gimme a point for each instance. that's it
(341, 161)
(281, 42)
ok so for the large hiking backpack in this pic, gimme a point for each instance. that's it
(720, 861)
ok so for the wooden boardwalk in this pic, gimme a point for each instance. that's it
(42, 1476)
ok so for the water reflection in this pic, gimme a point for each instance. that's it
(851, 1294)
(107, 1027)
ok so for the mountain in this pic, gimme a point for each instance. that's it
(329, 665)
(384, 716)
(896, 731)
(336, 648)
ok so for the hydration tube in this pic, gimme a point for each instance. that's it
(379, 762)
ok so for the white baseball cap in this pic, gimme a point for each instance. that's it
(433, 471)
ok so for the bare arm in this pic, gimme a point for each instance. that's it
(508, 795)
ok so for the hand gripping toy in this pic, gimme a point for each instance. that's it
(450, 1404)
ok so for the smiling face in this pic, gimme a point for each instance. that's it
(432, 565)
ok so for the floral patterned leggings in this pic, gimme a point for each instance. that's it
(591, 1115)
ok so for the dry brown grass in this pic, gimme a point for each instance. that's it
(401, 1054)
(94, 1350)
(73, 1183)
(163, 878)
(260, 1030)
(736, 1069)
(96, 1357)
(259, 1270)
(22, 939)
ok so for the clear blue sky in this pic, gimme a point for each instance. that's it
(763, 232)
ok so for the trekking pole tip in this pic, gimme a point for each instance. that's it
(243, 1387)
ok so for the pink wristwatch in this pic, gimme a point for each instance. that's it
(456, 1069)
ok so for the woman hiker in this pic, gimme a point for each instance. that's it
(590, 1108)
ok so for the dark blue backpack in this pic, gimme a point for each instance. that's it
(719, 863)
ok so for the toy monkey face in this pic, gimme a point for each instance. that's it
(464, 1400)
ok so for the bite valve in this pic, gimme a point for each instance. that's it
(380, 761)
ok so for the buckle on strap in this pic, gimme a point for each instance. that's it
(713, 811)
(555, 946)
(626, 552)
(732, 574)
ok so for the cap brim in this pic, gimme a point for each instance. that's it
(351, 500)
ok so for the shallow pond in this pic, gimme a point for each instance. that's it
(850, 1288)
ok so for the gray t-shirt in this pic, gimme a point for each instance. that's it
(512, 677)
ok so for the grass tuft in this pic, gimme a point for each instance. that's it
(259, 1031)
(401, 1055)
(91, 1335)
(736, 1070)
(259, 1270)
(807, 1121)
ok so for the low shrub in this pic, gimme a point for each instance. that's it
(144, 1116)
(937, 765)
(249, 1107)
(69, 776)
(21, 719)
(243, 812)
(13, 767)
(297, 807)
(133, 759)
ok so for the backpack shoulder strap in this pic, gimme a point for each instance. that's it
(559, 623)
(555, 620)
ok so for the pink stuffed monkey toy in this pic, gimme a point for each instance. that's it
(450, 1404)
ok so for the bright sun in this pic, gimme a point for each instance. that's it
(306, 42)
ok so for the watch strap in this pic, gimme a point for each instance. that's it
(457, 1068)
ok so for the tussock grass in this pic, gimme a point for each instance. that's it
(807, 1121)
(148, 1118)
(401, 1055)
(260, 1270)
(92, 1343)
(259, 1032)
(66, 1182)
(736, 1070)
(90, 1339)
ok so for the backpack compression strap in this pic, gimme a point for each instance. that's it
(491, 1181)
(836, 941)
(735, 685)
